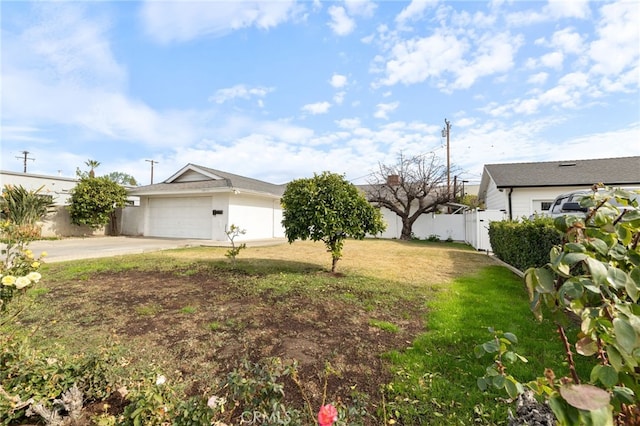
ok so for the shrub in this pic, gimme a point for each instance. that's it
(593, 278)
(24, 208)
(18, 268)
(524, 244)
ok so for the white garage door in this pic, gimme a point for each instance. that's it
(180, 217)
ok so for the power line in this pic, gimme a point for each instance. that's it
(25, 157)
(152, 163)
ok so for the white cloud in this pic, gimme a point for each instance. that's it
(554, 10)
(414, 11)
(552, 60)
(66, 46)
(383, 110)
(340, 23)
(415, 60)
(494, 55)
(568, 41)
(240, 91)
(618, 45)
(317, 108)
(539, 78)
(364, 8)
(569, 9)
(442, 54)
(338, 98)
(176, 21)
(338, 81)
(348, 123)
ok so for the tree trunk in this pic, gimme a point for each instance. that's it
(334, 263)
(406, 230)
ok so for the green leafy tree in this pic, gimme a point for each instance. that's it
(94, 201)
(328, 208)
(122, 178)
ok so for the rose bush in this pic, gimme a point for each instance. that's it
(19, 266)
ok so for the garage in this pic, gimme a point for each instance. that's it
(188, 217)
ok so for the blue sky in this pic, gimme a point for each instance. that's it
(278, 90)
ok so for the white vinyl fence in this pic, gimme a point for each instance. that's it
(476, 225)
(471, 227)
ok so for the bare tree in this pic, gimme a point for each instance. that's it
(409, 188)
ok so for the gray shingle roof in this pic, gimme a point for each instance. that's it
(610, 171)
(228, 181)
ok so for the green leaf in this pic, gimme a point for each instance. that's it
(513, 388)
(586, 346)
(600, 246)
(607, 375)
(511, 337)
(625, 334)
(483, 385)
(614, 357)
(632, 285)
(571, 289)
(491, 346)
(573, 258)
(598, 271)
(600, 417)
(559, 408)
(510, 357)
(479, 351)
(498, 381)
(617, 278)
(545, 280)
(624, 394)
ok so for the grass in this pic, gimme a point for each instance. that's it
(454, 292)
(435, 377)
(384, 325)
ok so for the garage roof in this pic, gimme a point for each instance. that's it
(197, 179)
(610, 171)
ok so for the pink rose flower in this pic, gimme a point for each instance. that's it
(327, 415)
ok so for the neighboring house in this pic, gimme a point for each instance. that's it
(56, 186)
(202, 203)
(58, 222)
(523, 189)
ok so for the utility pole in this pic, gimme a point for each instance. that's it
(25, 157)
(445, 133)
(152, 163)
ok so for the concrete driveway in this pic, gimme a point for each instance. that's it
(94, 247)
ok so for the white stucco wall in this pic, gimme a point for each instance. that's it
(260, 216)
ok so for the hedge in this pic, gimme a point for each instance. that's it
(524, 244)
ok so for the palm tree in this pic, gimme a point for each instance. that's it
(92, 164)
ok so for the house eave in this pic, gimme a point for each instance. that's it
(556, 185)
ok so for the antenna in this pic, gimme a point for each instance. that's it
(25, 157)
(152, 163)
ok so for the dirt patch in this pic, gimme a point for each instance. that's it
(202, 325)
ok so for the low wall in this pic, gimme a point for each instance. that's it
(131, 221)
(58, 224)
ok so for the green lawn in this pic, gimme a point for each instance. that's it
(423, 305)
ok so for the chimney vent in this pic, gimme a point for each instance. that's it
(393, 180)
